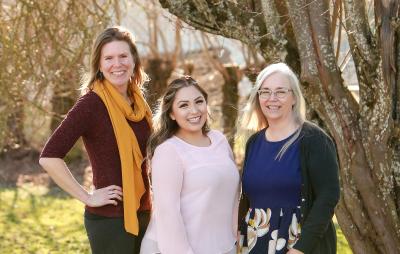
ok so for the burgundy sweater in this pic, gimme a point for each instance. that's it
(89, 119)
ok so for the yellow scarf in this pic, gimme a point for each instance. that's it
(131, 157)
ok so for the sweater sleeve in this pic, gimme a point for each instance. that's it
(167, 181)
(74, 125)
(322, 168)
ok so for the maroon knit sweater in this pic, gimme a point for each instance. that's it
(89, 119)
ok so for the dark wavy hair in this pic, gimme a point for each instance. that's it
(164, 126)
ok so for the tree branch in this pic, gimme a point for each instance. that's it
(360, 37)
(233, 20)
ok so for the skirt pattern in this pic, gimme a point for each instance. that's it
(270, 230)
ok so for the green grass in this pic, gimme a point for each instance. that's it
(342, 244)
(35, 220)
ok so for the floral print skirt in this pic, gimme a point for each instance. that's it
(269, 231)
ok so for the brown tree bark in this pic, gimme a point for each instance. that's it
(366, 132)
(159, 70)
(230, 101)
(15, 143)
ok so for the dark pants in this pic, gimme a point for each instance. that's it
(108, 236)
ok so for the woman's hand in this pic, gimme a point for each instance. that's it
(294, 251)
(105, 196)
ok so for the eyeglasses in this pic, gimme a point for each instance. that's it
(281, 93)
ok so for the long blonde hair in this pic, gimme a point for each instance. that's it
(110, 34)
(252, 118)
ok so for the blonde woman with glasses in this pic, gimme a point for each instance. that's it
(290, 173)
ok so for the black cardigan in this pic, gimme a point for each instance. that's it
(320, 190)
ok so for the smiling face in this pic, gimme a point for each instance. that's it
(189, 110)
(116, 63)
(274, 108)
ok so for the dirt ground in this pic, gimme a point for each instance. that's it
(22, 167)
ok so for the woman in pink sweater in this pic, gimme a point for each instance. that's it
(195, 181)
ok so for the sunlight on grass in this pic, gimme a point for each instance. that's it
(33, 221)
(342, 244)
(36, 220)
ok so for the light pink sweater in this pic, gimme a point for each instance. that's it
(195, 198)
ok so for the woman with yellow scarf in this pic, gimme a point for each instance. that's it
(114, 122)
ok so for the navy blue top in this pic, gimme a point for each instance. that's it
(270, 182)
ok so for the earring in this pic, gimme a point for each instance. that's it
(100, 75)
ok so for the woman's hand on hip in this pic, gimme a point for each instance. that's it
(105, 196)
(294, 251)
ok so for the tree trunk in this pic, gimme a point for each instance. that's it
(230, 102)
(62, 101)
(159, 70)
(15, 143)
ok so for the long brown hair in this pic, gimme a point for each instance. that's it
(164, 126)
(110, 34)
